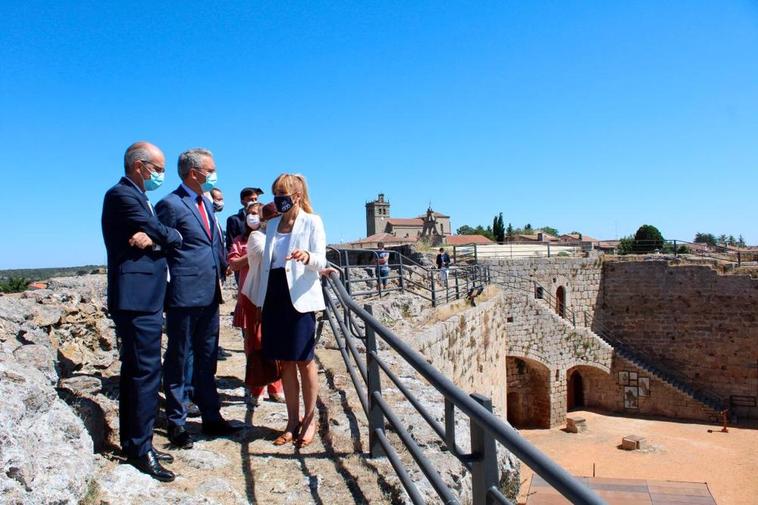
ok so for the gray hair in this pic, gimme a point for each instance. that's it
(192, 158)
(139, 151)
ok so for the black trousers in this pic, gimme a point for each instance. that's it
(140, 335)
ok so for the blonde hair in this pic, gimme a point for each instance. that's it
(294, 183)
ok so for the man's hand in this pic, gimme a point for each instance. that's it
(141, 240)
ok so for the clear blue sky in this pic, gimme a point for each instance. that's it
(589, 115)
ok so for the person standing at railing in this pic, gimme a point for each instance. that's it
(443, 264)
(382, 261)
(293, 255)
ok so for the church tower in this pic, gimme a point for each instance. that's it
(377, 213)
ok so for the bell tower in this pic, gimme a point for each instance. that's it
(377, 213)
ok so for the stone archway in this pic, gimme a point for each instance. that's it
(528, 393)
(575, 391)
(560, 301)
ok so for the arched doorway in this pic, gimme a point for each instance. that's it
(560, 301)
(528, 393)
(514, 412)
(575, 391)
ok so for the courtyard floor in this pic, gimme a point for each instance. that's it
(677, 451)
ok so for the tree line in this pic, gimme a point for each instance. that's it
(499, 232)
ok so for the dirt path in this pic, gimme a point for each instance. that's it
(728, 462)
(248, 468)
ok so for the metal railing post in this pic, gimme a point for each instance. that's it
(675, 250)
(347, 274)
(484, 471)
(476, 255)
(402, 283)
(434, 295)
(548, 249)
(374, 387)
(739, 259)
(457, 290)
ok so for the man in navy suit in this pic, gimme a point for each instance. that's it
(193, 297)
(136, 243)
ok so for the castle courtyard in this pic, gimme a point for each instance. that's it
(675, 451)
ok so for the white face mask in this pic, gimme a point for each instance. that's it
(253, 221)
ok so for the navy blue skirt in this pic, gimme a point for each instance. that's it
(288, 335)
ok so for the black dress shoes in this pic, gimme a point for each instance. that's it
(221, 428)
(150, 465)
(163, 457)
(193, 410)
(179, 437)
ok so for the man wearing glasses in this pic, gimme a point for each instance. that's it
(137, 243)
(192, 298)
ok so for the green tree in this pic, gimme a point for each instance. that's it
(528, 229)
(705, 238)
(647, 239)
(465, 230)
(509, 232)
(549, 229)
(14, 284)
(741, 242)
(498, 229)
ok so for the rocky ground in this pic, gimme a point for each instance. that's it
(59, 418)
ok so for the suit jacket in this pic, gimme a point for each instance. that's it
(303, 280)
(198, 266)
(235, 225)
(136, 277)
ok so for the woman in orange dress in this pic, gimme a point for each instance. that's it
(247, 315)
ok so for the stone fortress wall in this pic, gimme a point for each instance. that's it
(688, 318)
(553, 365)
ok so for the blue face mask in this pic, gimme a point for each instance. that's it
(155, 181)
(210, 182)
(283, 203)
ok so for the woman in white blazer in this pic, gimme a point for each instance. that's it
(290, 293)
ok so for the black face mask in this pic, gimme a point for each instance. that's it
(218, 206)
(283, 203)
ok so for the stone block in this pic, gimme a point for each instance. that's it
(576, 424)
(632, 442)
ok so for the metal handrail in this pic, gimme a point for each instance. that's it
(411, 275)
(486, 428)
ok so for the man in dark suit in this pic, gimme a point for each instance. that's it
(235, 224)
(136, 243)
(193, 297)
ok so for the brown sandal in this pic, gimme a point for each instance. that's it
(301, 441)
(286, 436)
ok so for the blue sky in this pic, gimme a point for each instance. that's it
(589, 115)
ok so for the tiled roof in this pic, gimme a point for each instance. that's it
(399, 221)
(467, 239)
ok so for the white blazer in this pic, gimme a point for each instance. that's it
(303, 280)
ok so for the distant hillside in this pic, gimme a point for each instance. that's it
(38, 274)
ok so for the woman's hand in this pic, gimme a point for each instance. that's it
(328, 271)
(300, 255)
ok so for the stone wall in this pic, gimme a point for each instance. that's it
(635, 392)
(580, 277)
(469, 346)
(688, 319)
(537, 333)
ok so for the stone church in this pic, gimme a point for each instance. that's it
(432, 226)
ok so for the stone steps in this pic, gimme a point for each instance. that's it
(709, 401)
